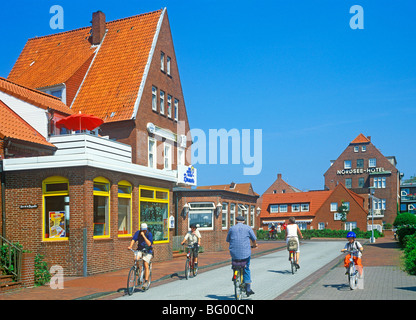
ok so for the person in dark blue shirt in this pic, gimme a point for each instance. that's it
(144, 239)
(239, 237)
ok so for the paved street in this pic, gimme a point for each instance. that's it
(270, 274)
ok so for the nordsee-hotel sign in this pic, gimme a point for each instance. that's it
(360, 171)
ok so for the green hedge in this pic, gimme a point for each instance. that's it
(325, 233)
(404, 218)
(410, 254)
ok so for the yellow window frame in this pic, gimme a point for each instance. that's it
(52, 180)
(154, 199)
(125, 183)
(104, 181)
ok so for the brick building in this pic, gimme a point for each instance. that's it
(80, 204)
(315, 209)
(360, 167)
(215, 209)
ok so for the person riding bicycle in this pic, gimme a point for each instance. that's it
(193, 237)
(144, 240)
(272, 231)
(353, 245)
(239, 237)
(292, 232)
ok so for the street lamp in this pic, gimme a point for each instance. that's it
(372, 190)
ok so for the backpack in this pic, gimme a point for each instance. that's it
(292, 245)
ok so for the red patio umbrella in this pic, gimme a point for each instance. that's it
(80, 122)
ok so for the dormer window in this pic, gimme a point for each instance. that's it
(56, 91)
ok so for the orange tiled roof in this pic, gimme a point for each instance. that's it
(245, 188)
(37, 98)
(314, 198)
(360, 139)
(13, 126)
(112, 83)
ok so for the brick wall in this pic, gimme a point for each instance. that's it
(25, 225)
(215, 239)
(390, 193)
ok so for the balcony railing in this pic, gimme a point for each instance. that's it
(378, 213)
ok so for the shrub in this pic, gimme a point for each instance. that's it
(42, 274)
(404, 218)
(410, 254)
(403, 231)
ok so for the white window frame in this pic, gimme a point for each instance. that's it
(321, 225)
(372, 162)
(347, 164)
(334, 206)
(154, 153)
(181, 156)
(283, 208)
(162, 61)
(168, 60)
(167, 155)
(224, 222)
(304, 207)
(296, 207)
(196, 208)
(169, 106)
(162, 102)
(363, 148)
(154, 98)
(176, 107)
(274, 208)
(232, 214)
(356, 148)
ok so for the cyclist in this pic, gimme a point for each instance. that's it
(239, 237)
(351, 245)
(144, 240)
(194, 238)
(292, 231)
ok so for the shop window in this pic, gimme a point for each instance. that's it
(154, 211)
(252, 216)
(55, 194)
(202, 213)
(124, 208)
(224, 215)
(101, 213)
(232, 214)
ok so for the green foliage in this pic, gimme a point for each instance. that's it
(404, 219)
(325, 233)
(7, 257)
(403, 231)
(410, 254)
(42, 274)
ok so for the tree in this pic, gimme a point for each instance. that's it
(343, 211)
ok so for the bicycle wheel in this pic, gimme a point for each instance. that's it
(131, 281)
(352, 276)
(187, 268)
(292, 262)
(238, 285)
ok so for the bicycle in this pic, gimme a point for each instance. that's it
(238, 267)
(190, 262)
(136, 274)
(352, 271)
(293, 258)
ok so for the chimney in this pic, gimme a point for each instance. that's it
(279, 176)
(98, 27)
(369, 138)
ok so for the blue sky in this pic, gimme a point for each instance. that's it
(294, 69)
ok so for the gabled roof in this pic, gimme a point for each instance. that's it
(111, 87)
(244, 188)
(315, 199)
(360, 139)
(35, 97)
(14, 127)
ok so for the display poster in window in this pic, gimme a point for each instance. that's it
(57, 224)
(165, 226)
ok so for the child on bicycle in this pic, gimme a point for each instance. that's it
(194, 238)
(353, 245)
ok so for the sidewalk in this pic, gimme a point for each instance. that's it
(384, 278)
(111, 285)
